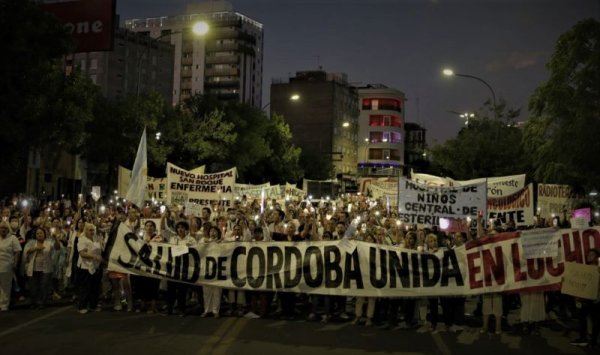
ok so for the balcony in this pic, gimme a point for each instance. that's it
(221, 47)
(221, 72)
(222, 59)
(222, 84)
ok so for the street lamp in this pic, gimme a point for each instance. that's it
(293, 97)
(450, 72)
(199, 28)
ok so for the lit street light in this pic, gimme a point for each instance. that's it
(199, 28)
(450, 72)
(293, 97)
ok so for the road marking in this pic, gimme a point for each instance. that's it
(439, 342)
(230, 337)
(38, 319)
(214, 338)
(467, 336)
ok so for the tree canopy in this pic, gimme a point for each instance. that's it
(562, 133)
(486, 147)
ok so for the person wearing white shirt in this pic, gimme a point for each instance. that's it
(10, 250)
(212, 294)
(39, 266)
(237, 298)
(89, 262)
(177, 290)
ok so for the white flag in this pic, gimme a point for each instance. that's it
(138, 184)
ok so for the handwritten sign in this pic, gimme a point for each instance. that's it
(540, 243)
(581, 280)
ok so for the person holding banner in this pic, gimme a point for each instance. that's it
(236, 298)
(10, 251)
(147, 287)
(178, 290)
(590, 308)
(212, 294)
(90, 259)
(360, 301)
(121, 281)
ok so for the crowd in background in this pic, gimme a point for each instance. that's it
(50, 250)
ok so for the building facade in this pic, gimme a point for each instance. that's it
(415, 150)
(136, 64)
(381, 132)
(324, 120)
(226, 62)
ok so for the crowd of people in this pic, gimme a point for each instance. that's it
(56, 249)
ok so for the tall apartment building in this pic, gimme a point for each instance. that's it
(415, 153)
(325, 117)
(381, 132)
(226, 62)
(136, 64)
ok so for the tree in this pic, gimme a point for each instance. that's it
(317, 166)
(114, 134)
(562, 132)
(242, 136)
(486, 147)
(40, 106)
(283, 162)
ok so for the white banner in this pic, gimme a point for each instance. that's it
(421, 204)
(496, 186)
(270, 192)
(157, 187)
(240, 189)
(553, 199)
(204, 189)
(352, 268)
(540, 243)
(293, 192)
(517, 207)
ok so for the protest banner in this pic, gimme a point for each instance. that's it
(585, 213)
(517, 207)
(157, 187)
(581, 280)
(540, 243)
(553, 199)
(421, 204)
(204, 189)
(454, 225)
(390, 195)
(496, 186)
(269, 192)
(240, 189)
(293, 193)
(353, 268)
(579, 223)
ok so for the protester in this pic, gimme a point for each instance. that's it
(590, 309)
(90, 259)
(212, 294)
(39, 266)
(10, 250)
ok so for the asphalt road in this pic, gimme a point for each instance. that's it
(62, 330)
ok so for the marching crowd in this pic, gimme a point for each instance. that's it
(52, 250)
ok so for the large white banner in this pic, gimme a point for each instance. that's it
(517, 207)
(157, 187)
(240, 189)
(496, 186)
(294, 193)
(422, 204)
(553, 199)
(348, 267)
(204, 189)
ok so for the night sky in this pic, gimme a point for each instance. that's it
(404, 44)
